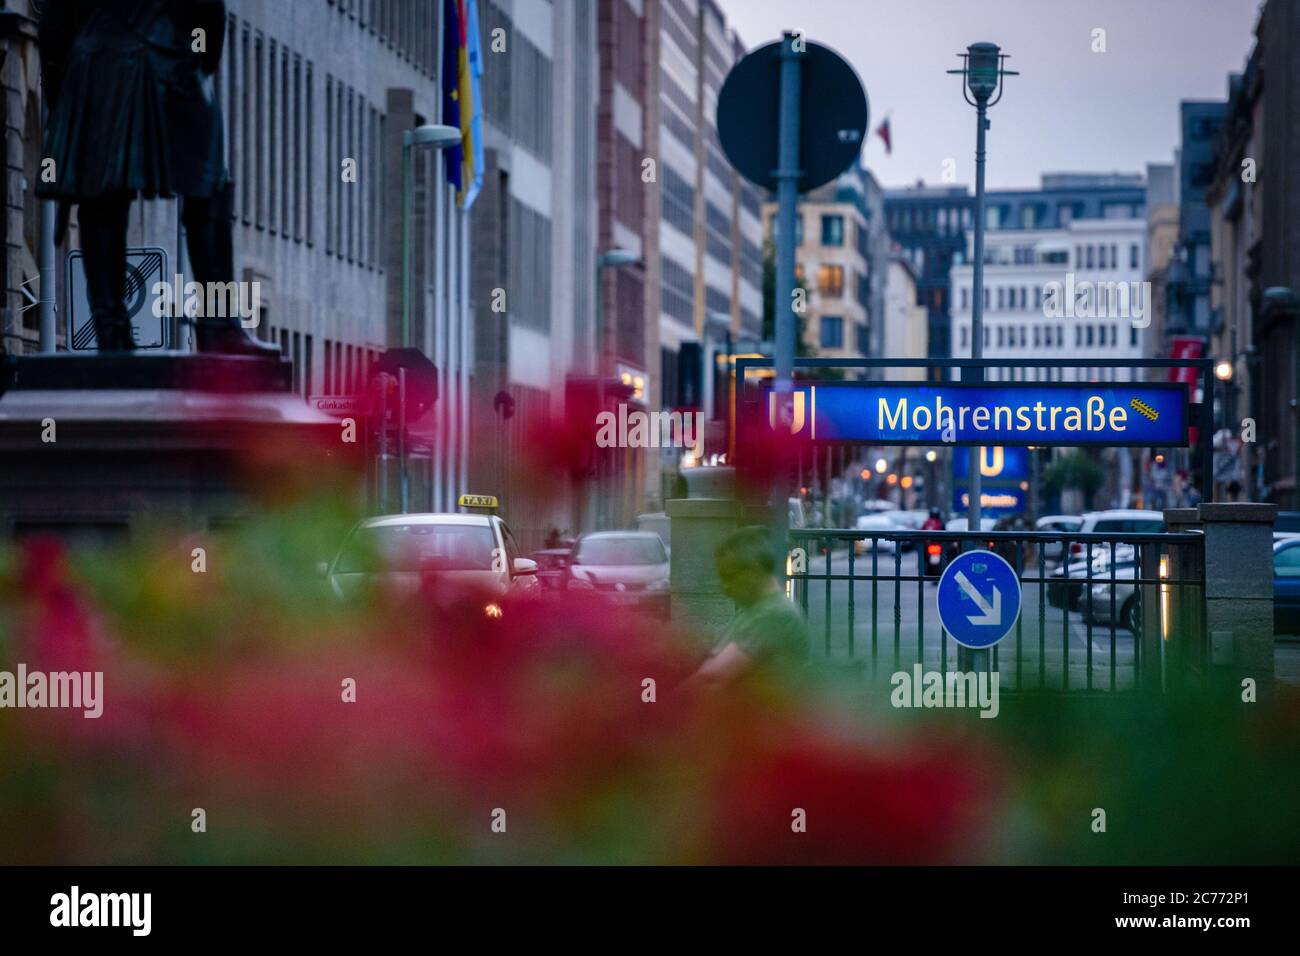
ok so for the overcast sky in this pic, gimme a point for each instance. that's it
(1070, 109)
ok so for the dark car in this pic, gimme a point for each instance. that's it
(553, 567)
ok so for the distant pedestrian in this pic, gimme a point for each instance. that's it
(768, 632)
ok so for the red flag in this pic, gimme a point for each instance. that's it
(883, 132)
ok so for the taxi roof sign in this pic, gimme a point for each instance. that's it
(484, 502)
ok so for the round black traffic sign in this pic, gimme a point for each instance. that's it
(832, 115)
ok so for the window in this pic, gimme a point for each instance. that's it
(1002, 297)
(965, 337)
(1001, 336)
(1133, 256)
(830, 281)
(1090, 257)
(832, 332)
(1114, 256)
(1038, 336)
(965, 299)
(832, 230)
(1089, 334)
(1133, 336)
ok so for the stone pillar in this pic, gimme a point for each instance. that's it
(698, 525)
(1239, 590)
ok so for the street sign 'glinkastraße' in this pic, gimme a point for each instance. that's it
(905, 413)
(340, 405)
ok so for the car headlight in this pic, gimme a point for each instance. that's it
(660, 585)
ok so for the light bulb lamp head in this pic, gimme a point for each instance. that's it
(982, 73)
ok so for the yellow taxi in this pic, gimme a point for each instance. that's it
(397, 553)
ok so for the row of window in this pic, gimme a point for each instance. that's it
(945, 220)
(408, 26)
(1050, 335)
(833, 230)
(1111, 298)
(831, 329)
(1103, 256)
(272, 106)
(345, 366)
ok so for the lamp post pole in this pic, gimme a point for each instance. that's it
(982, 75)
(974, 481)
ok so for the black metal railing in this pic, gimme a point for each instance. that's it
(1098, 611)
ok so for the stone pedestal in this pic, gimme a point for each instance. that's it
(101, 445)
(1239, 589)
(698, 526)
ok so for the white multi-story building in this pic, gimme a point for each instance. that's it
(1065, 285)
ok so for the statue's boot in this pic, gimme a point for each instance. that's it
(230, 338)
(113, 331)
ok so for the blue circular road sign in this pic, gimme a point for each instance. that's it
(979, 599)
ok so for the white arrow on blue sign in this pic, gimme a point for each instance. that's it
(978, 599)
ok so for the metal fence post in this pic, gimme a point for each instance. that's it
(1184, 637)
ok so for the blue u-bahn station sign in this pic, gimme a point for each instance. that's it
(1143, 414)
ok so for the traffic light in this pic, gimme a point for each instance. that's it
(421, 379)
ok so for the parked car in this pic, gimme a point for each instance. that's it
(1125, 606)
(876, 524)
(1066, 583)
(624, 567)
(1052, 550)
(1116, 521)
(910, 520)
(1286, 586)
(659, 523)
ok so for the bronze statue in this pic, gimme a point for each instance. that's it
(133, 112)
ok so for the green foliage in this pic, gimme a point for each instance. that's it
(1077, 470)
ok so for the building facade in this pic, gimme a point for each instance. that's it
(1063, 277)
(930, 224)
(841, 255)
(1253, 222)
(533, 251)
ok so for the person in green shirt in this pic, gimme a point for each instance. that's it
(768, 631)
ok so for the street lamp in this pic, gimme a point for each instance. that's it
(1223, 370)
(982, 73)
(435, 137)
(612, 259)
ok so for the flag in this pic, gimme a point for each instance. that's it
(883, 132)
(471, 128)
(451, 103)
